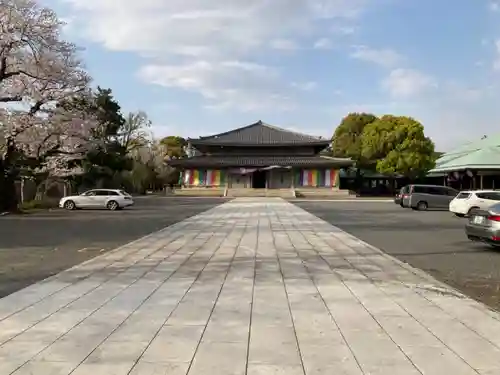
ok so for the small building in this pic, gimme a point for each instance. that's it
(259, 156)
(475, 165)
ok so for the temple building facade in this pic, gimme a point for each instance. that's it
(259, 156)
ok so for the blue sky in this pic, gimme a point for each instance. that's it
(200, 67)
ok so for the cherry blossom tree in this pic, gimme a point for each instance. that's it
(37, 70)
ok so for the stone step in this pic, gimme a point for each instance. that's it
(200, 192)
(284, 193)
(321, 193)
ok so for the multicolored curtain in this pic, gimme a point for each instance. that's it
(317, 178)
(204, 177)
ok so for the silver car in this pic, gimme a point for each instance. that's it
(423, 197)
(484, 226)
(398, 199)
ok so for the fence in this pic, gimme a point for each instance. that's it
(28, 190)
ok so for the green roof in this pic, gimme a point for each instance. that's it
(482, 154)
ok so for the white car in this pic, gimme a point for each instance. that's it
(98, 198)
(467, 202)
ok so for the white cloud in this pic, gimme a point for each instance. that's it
(323, 43)
(407, 83)
(305, 86)
(284, 44)
(225, 85)
(343, 30)
(384, 57)
(494, 6)
(181, 34)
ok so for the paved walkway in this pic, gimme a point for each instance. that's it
(257, 287)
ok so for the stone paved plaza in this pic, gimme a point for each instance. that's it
(257, 287)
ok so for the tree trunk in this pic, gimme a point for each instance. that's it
(8, 194)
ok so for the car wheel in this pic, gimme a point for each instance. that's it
(69, 205)
(422, 206)
(112, 206)
(472, 211)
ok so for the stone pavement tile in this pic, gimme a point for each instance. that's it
(191, 313)
(352, 316)
(386, 359)
(28, 296)
(408, 332)
(265, 369)
(270, 336)
(374, 300)
(20, 350)
(318, 358)
(227, 332)
(68, 350)
(49, 330)
(174, 344)
(220, 358)
(141, 325)
(284, 354)
(146, 368)
(45, 368)
(117, 352)
(428, 354)
(343, 368)
(103, 369)
(437, 360)
(470, 313)
(475, 350)
(231, 316)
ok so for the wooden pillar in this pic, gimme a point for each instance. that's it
(22, 190)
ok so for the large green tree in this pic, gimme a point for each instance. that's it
(347, 139)
(173, 146)
(108, 157)
(399, 145)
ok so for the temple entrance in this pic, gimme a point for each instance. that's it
(259, 180)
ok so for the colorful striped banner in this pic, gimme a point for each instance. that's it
(202, 177)
(187, 176)
(317, 178)
(331, 178)
(215, 177)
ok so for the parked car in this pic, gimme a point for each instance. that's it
(484, 226)
(466, 202)
(98, 198)
(399, 196)
(423, 197)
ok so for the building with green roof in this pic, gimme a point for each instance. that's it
(473, 165)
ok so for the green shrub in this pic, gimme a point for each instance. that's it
(39, 204)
